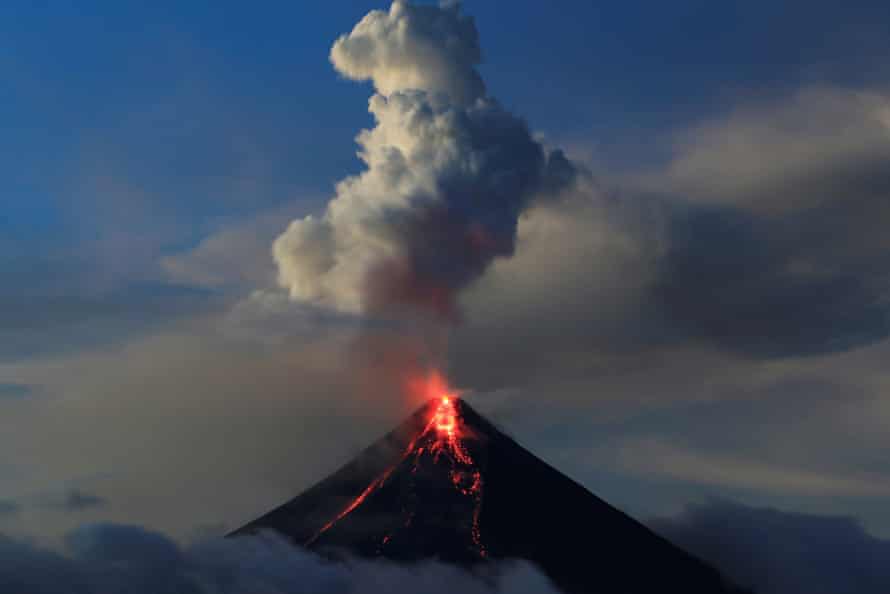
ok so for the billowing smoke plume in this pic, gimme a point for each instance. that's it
(449, 171)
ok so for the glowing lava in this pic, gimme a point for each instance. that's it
(465, 476)
(442, 439)
(446, 416)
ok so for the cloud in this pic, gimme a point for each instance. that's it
(818, 144)
(776, 552)
(655, 457)
(14, 391)
(111, 558)
(236, 257)
(76, 500)
(574, 297)
(615, 275)
(781, 249)
(150, 418)
(771, 287)
(41, 325)
(595, 303)
(269, 317)
(232, 257)
(414, 47)
(71, 501)
(449, 172)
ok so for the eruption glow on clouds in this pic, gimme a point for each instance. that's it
(449, 171)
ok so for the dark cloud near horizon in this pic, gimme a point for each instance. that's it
(9, 508)
(763, 287)
(76, 500)
(776, 552)
(778, 243)
(71, 501)
(114, 558)
(47, 324)
(11, 391)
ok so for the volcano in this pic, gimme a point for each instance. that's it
(449, 485)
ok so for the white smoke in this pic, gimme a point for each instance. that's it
(449, 172)
(414, 47)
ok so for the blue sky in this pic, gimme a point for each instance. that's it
(84, 80)
(153, 151)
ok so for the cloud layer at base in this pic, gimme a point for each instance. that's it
(105, 558)
(775, 552)
(770, 551)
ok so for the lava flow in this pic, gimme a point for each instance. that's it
(465, 476)
(467, 480)
(441, 440)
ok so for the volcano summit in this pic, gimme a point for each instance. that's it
(448, 485)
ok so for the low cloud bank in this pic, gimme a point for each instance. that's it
(110, 558)
(776, 552)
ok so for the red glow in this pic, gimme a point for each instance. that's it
(445, 416)
(465, 476)
(432, 386)
(442, 438)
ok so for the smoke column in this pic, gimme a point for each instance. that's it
(448, 173)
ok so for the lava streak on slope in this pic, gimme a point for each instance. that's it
(440, 442)
(465, 475)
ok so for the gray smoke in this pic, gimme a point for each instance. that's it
(449, 171)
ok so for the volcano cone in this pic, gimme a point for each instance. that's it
(467, 494)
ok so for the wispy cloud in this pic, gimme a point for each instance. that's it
(660, 458)
(51, 325)
(76, 500)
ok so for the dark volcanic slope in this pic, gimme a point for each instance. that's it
(526, 510)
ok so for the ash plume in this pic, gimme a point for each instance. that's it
(448, 173)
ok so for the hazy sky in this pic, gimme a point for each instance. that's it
(704, 313)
